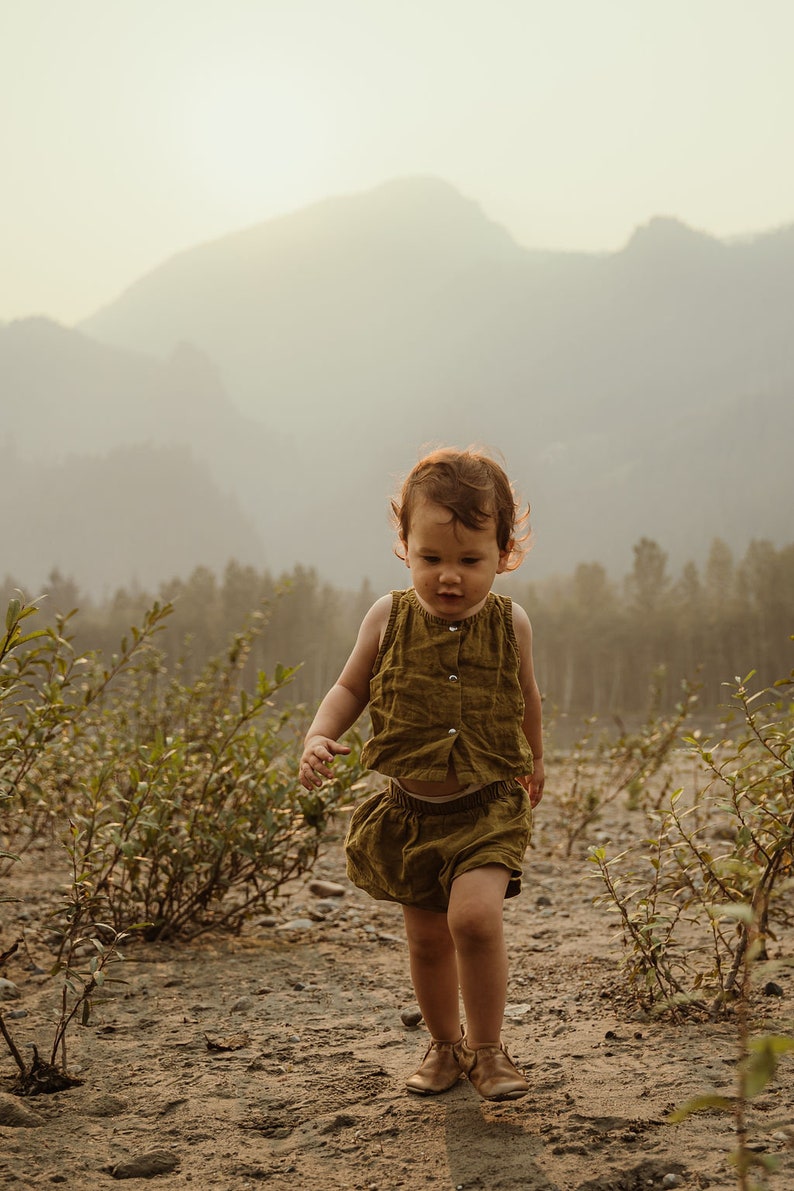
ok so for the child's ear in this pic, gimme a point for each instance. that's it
(504, 559)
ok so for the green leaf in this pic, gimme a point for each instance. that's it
(12, 614)
(31, 636)
(779, 1044)
(758, 1071)
(700, 1104)
(761, 1065)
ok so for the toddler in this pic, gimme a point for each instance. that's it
(446, 669)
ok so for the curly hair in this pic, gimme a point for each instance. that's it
(474, 488)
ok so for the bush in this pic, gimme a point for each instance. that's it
(177, 801)
(714, 863)
(191, 815)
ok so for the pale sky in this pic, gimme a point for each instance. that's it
(131, 129)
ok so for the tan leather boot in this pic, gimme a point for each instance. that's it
(491, 1071)
(438, 1072)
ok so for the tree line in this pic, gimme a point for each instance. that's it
(598, 641)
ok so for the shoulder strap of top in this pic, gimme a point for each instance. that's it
(388, 635)
(506, 605)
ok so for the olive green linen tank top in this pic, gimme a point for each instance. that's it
(446, 693)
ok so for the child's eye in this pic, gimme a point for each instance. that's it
(431, 558)
(470, 562)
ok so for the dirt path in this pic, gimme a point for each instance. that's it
(311, 1095)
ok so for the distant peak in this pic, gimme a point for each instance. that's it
(423, 209)
(35, 324)
(410, 189)
(664, 234)
(423, 205)
(419, 197)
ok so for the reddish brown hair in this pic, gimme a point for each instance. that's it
(474, 488)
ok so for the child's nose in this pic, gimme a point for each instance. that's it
(449, 573)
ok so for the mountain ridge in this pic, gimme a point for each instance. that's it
(403, 316)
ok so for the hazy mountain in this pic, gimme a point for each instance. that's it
(65, 391)
(139, 514)
(103, 458)
(647, 391)
(315, 305)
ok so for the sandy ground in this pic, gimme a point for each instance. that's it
(309, 1093)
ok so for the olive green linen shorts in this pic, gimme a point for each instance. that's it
(402, 849)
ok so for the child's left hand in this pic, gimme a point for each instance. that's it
(315, 764)
(534, 782)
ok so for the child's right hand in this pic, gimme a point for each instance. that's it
(318, 753)
(534, 782)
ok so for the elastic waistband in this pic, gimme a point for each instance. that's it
(466, 802)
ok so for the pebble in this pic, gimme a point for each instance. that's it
(8, 990)
(17, 1014)
(242, 1005)
(326, 889)
(771, 989)
(326, 906)
(14, 1114)
(410, 1018)
(670, 1180)
(298, 924)
(516, 1011)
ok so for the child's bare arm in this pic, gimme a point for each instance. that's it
(345, 701)
(533, 714)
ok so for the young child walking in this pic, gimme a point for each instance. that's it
(446, 669)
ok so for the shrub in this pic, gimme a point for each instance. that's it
(727, 846)
(177, 801)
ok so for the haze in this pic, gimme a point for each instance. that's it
(130, 131)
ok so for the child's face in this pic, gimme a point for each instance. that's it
(452, 567)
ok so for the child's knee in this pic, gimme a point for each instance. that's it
(474, 925)
(427, 933)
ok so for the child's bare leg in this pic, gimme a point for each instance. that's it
(434, 971)
(475, 924)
